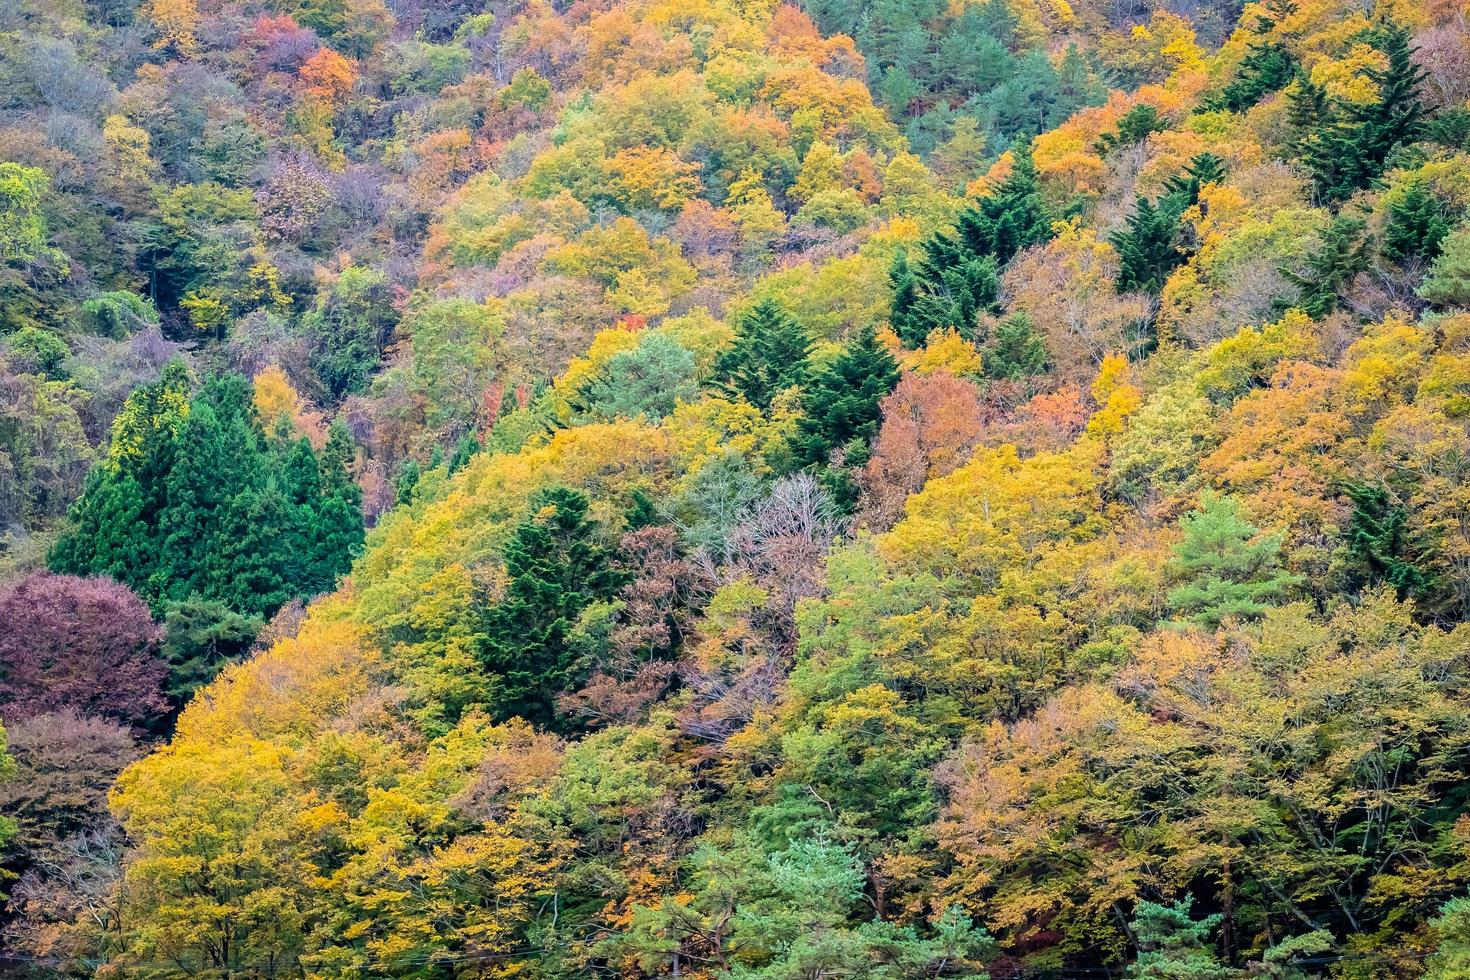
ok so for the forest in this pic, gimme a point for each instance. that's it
(735, 489)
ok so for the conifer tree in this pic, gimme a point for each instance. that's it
(555, 568)
(1148, 249)
(768, 355)
(1448, 282)
(1331, 269)
(1015, 350)
(841, 412)
(1416, 226)
(1182, 190)
(959, 276)
(1136, 125)
(1225, 569)
(1173, 945)
(1378, 538)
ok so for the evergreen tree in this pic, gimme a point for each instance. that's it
(1173, 945)
(1416, 226)
(841, 412)
(339, 531)
(1448, 282)
(1135, 126)
(1378, 538)
(197, 496)
(1148, 249)
(1182, 190)
(959, 275)
(768, 355)
(408, 480)
(1015, 350)
(1331, 269)
(1225, 569)
(1267, 67)
(1346, 145)
(555, 569)
(199, 637)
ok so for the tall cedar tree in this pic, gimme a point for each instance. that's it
(841, 413)
(768, 356)
(1149, 246)
(1135, 126)
(1331, 269)
(1416, 227)
(1015, 350)
(1268, 66)
(959, 275)
(556, 569)
(1379, 539)
(1346, 145)
(198, 502)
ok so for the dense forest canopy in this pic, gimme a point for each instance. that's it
(735, 489)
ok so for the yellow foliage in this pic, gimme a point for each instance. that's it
(943, 350)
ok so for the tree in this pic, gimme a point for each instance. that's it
(1451, 961)
(1148, 249)
(555, 569)
(768, 355)
(1016, 350)
(958, 278)
(1378, 538)
(1448, 282)
(646, 382)
(1227, 569)
(201, 636)
(1135, 126)
(1416, 226)
(1331, 268)
(1173, 945)
(84, 644)
(841, 412)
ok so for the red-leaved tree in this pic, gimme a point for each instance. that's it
(87, 644)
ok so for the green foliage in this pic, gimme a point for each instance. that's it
(36, 351)
(1136, 125)
(1451, 961)
(1015, 350)
(646, 382)
(1448, 282)
(1346, 145)
(200, 636)
(959, 276)
(555, 568)
(198, 502)
(840, 411)
(1331, 269)
(1227, 569)
(1173, 945)
(1148, 247)
(118, 314)
(768, 355)
(1416, 227)
(1379, 541)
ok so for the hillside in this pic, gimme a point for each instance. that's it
(718, 489)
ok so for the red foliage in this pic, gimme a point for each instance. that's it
(87, 644)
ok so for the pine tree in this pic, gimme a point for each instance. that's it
(408, 480)
(1173, 945)
(197, 497)
(905, 298)
(768, 355)
(1136, 125)
(1331, 269)
(339, 535)
(1182, 190)
(1448, 282)
(1267, 67)
(1148, 249)
(1012, 218)
(1416, 226)
(1225, 569)
(555, 570)
(1015, 350)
